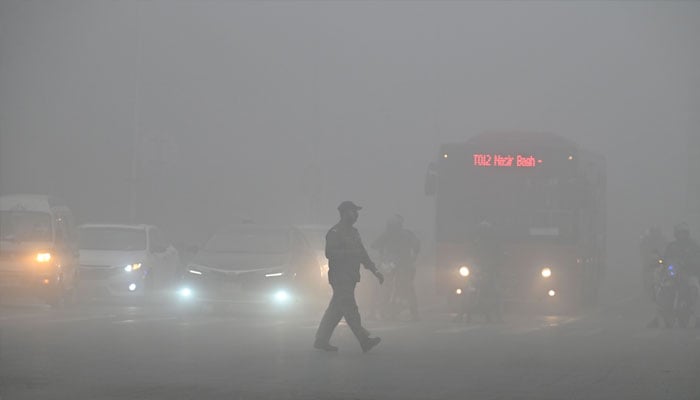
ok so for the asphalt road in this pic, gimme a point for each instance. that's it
(123, 352)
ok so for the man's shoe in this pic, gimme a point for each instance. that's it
(368, 343)
(325, 347)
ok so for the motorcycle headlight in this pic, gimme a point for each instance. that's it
(546, 272)
(464, 271)
(132, 267)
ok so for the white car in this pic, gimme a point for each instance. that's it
(125, 260)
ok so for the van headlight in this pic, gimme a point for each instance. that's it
(43, 257)
(464, 271)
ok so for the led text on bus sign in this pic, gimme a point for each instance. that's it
(506, 160)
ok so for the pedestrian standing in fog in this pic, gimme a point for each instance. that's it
(345, 253)
(398, 247)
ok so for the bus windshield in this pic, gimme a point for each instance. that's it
(518, 207)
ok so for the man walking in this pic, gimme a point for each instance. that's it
(345, 253)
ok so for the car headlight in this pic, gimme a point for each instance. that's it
(132, 267)
(546, 272)
(43, 257)
(185, 292)
(282, 296)
(464, 271)
(552, 293)
(194, 272)
(274, 274)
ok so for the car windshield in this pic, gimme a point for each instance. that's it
(253, 240)
(113, 239)
(25, 226)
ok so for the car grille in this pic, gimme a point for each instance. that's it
(97, 272)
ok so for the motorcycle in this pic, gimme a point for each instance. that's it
(479, 294)
(468, 296)
(676, 294)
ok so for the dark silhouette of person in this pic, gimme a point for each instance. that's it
(345, 253)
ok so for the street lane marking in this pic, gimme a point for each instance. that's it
(141, 320)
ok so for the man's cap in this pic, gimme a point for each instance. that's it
(348, 205)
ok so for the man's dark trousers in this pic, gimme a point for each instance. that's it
(342, 305)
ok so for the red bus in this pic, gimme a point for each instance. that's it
(544, 197)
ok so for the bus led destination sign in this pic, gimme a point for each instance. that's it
(506, 160)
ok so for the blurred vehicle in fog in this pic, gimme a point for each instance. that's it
(125, 260)
(253, 264)
(38, 252)
(316, 236)
(546, 198)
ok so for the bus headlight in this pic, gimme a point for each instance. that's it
(546, 272)
(464, 271)
(43, 257)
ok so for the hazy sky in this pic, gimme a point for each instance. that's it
(246, 96)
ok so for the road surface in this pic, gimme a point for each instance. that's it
(131, 352)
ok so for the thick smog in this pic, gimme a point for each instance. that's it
(349, 200)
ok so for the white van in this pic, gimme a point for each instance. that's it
(38, 248)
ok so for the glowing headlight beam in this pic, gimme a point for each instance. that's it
(132, 267)
(185, 292)
(546, 272)
(282, 296)
(132, 287)
(43, 257)
(273, 275)
(195, 272)
(458, 291)
(552, 293)
(464, 271)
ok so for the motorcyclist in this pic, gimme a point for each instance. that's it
(399, 248)
(487, 250)
(684, 253)
(651, 249)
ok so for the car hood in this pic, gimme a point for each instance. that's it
(240, 261)
(19, 246)
(106, 258)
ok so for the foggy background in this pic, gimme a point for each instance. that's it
(277, 111)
